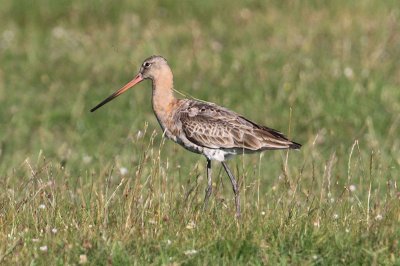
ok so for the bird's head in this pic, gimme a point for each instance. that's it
(154, 67)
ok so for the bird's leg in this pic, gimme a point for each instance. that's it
(234, 187)
(209, 184)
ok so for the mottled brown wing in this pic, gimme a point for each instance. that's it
(212, 126)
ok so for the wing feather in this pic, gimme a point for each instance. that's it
(212, 126)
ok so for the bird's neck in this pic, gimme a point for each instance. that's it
(163, 97)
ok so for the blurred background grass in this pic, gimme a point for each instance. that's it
(333, 63)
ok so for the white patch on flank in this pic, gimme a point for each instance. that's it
(218, 155)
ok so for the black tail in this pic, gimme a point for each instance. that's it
(295, 145)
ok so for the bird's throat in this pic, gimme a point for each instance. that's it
(163, 97)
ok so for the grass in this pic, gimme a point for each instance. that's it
(105, 188)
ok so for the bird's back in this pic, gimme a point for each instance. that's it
(215, 127)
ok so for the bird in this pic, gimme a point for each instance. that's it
(203, 127)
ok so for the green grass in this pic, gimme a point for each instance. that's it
(328, 70)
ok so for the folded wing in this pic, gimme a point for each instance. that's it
(212, 126)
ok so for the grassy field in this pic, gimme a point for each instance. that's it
(105, 188)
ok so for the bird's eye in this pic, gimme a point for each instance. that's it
(147, 64)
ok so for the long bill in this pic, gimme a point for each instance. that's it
(129, 85)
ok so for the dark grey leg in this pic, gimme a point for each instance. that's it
(209, 184)
(235, 189)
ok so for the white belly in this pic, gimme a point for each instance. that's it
(217, 154)
(211, 154)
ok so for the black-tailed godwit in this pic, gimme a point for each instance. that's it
(203, 127)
